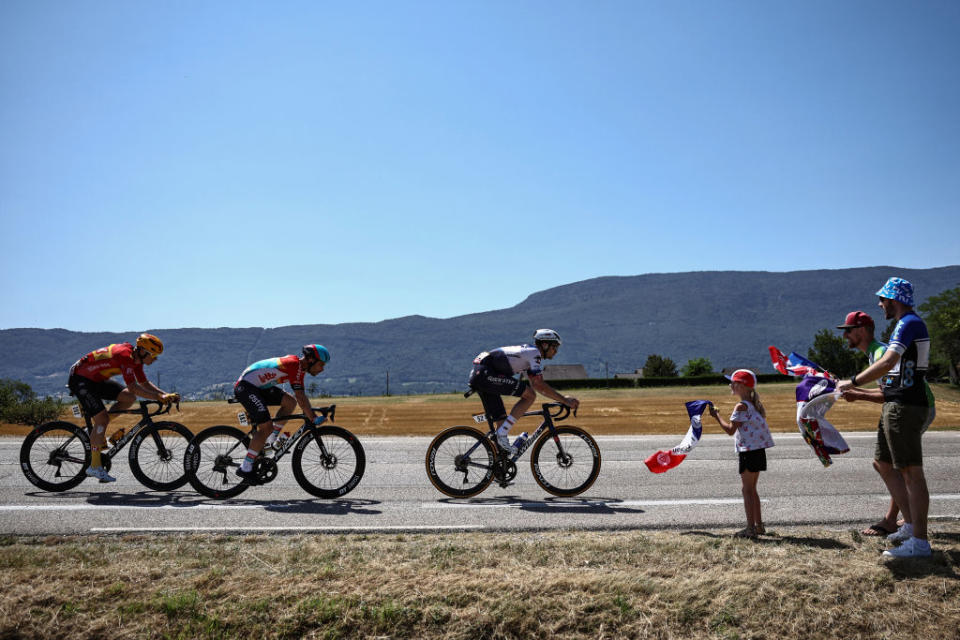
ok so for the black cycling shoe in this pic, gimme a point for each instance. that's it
(250, 477)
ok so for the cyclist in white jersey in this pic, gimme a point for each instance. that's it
(495, 374)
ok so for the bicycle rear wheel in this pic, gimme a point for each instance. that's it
(55, 456)
(567, 468)
(156, 455)
(332, 470)
(211, 461)
(460, 462)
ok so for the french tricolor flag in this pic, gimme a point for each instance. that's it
(795, 364)
(662, 461)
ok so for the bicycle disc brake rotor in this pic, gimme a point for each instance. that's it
(564, 460)
(266, 469)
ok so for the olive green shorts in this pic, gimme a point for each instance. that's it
(898, 435)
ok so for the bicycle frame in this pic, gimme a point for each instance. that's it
(547, 423)
(307, 425)
(146, 420)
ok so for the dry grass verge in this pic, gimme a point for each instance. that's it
(795, 583)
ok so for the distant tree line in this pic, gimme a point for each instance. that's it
(20, 405)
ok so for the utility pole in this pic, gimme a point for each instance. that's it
(606, 368)
(388, 382)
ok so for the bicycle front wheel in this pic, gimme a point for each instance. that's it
(328, 462)
(460, 462)
(55, 456)
(156, 455)
(211, 461)
(566, 465)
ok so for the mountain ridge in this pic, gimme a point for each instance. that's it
(608, 323)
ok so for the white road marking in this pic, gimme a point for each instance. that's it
(425, 505)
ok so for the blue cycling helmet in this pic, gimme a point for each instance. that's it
(897, 289)
(317, 352)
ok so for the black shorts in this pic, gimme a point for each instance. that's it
(256, 400)
(490, 385)
(754, 461)
(91, 393)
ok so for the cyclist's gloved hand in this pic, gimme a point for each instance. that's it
(319, 420)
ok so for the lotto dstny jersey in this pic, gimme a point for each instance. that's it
(512, 360)
(103, 364)
(273, 371)
(905, 383)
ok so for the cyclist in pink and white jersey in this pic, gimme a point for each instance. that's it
(259, 388)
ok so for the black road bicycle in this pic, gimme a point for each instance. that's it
(55, 455)
(565, 461)
(328, 461)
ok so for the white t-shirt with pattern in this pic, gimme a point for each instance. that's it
(754, 433)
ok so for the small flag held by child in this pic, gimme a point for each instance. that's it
(662, 461)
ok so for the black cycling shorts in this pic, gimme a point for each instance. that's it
(91, 393)
(490, 385)
(256, 400)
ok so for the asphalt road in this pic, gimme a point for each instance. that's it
(395, 494)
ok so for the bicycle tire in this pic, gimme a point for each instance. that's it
(571, 474)
(48, 448)
(445, 461)
(160, 470)
(329, 477)
(210, 461)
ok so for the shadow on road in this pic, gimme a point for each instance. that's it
(190, 500)
(549, 505)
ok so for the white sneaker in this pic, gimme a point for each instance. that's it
(503, 441)
(101, 474)
(904, 533)
(911, 548)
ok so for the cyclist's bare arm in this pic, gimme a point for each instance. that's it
(304, 403)
(540, 386)
(149, 390)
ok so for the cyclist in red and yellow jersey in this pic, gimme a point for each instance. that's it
(91, 384)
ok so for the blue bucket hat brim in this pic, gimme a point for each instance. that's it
(897, 289)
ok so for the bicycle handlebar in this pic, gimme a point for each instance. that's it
(330, 412)
(143, 411)
(563, 411)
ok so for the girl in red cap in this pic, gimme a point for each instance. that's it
(748, 426)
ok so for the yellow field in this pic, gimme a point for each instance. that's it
(602, 412)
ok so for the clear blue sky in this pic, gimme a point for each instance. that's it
(234, 163)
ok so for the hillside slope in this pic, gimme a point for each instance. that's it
(729, 317)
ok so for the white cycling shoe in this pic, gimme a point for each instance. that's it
(503, 441)
(100, 474)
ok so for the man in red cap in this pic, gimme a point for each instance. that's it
(858, 329)
(907, 412)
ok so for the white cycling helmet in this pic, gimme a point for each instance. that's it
(547, 335)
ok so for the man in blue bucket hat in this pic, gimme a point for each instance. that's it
(902, 371)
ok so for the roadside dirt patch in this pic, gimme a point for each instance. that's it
(602, 412)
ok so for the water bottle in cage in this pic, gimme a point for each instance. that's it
(521, 439)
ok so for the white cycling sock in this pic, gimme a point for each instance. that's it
(506, 426)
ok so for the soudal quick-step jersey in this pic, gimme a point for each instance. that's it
(508, 361)
(273, 371)
(107, 362)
